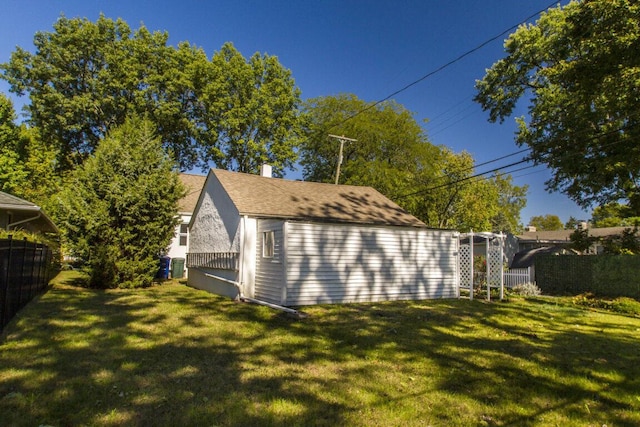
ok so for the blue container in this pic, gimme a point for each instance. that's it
(163, 271)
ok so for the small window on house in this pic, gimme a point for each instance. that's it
(184, 230)
(268, 244)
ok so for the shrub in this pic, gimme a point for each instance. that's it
(622, 305)
(527, 289)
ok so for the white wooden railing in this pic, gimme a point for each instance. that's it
(216, 260)
(516, 276)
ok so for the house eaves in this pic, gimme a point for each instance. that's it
(264, 197)
(23, 212)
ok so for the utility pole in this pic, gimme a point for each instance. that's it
(342, 140)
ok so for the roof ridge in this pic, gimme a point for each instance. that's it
(283, 198)
(295, 181)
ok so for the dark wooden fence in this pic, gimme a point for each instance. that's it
(25, 270)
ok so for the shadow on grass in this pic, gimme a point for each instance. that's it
(75, 278)
(170, 355)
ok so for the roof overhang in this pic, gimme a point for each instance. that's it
(30, 217)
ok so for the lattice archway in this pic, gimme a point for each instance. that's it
(470, 244)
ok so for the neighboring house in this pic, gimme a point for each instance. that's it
(180, 242)
(295, 243)
(19, 214)
(561, 238)
(533, 243)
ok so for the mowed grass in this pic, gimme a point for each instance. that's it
(171, 355)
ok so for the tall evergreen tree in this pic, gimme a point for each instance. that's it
(120, 206)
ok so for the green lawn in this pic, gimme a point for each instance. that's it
(171, 355)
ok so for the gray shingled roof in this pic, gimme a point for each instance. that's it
(193, 184)
(563, 235)
(24, 214)
(7, 201)
(279, 198)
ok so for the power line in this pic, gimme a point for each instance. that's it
(446, 65)
(524, 160)
(466, 178)
(442, 67)
(501, 158)
(506, 156)
(443, 125)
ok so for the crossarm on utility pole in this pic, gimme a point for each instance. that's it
(342, 140)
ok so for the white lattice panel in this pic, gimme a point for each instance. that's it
(495, 263)
(464, 266)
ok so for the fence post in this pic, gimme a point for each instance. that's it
(4, 309)
(501, 237)
(32, 275)
(22, 274)
(471, 264)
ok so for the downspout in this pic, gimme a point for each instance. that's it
(241, 268)
(238, 286)
(13, 224)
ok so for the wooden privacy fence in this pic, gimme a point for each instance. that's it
(217, 260)
(25, 270)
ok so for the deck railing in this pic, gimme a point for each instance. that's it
(217, 260)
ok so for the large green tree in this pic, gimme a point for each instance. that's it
(252, 107)
(27, 164)
(448, 196)
(390, 150)
(393, 155)
(579, 66)
(86, 77)
(120, 206)
(613, 215)
(546, 222)
(12, 171)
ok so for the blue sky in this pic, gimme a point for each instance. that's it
(369, 48)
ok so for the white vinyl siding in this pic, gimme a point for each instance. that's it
(333, 263)
(269, 281)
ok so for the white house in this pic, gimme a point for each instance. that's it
(295, 243)
(180, 242)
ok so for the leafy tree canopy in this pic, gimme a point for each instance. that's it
(87, 77)
(27, 164)
(581, 241)
(614, 215)
(546, 222)
(572, 223)
(252, 107)
(12, 172)
(626, 243)
(120, 207)
(393, 155)
(580, 68)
